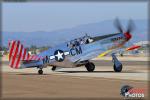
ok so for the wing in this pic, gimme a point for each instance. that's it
(109, 52)
(133, 47)
(104, 53)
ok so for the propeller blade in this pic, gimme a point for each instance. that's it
(131, 26)
(118, 25)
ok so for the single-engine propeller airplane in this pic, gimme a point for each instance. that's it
(74, 53)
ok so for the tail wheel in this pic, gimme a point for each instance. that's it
(121, 54)
(118, 68)
(90, 67)
(53, 68)
(40, 72)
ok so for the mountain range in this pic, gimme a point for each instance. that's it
(43, 38)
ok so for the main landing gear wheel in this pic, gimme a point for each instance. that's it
(117, 64)
(90, 67)
(40, 72)
(118, 68)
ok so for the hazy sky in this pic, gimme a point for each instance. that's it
(49, 16)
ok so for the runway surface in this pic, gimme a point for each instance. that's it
(108, 63)
(20, 85)
(74, 82)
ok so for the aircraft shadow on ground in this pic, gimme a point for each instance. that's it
(86, 71)
(99, 72)
(31, 74)
(79, 72)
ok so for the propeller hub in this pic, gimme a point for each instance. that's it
(128, 36)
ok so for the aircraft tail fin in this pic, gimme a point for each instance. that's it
(18, 53)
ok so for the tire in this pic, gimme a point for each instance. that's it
(53, 68)
(90, 67)
(121, 54)
(119, 69)
(40, 72)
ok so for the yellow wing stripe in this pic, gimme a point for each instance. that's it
(104, 53)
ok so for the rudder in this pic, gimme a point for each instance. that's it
(17, 53)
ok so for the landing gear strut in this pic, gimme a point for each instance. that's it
(117, 64)
(90, 66)
(40, 72)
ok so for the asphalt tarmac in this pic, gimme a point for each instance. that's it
(77, 83)
(21, 85)
(108, 63)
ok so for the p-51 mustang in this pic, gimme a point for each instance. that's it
(74, 53)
